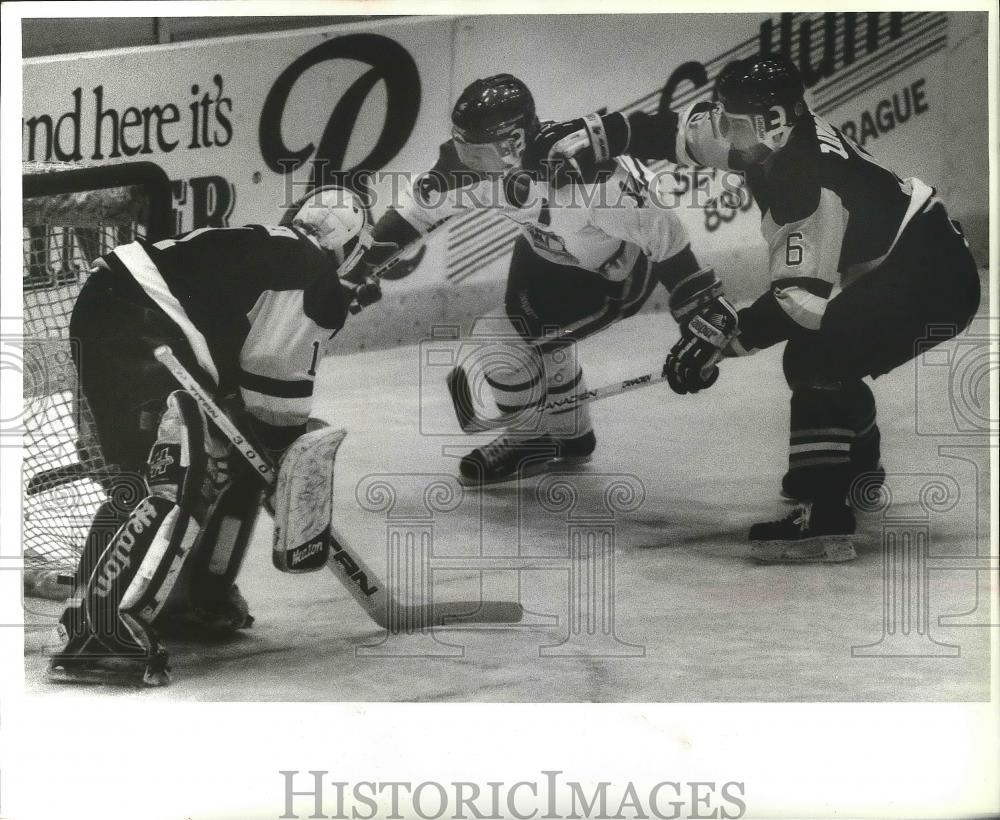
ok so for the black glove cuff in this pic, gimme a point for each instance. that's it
(617, 128)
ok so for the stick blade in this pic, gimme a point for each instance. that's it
(460, 613)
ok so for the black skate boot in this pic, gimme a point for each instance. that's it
(575, 451)
(506, 458)
(206, 616)
(817, 532)
(510, 457)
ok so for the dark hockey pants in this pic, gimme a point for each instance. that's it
(925, 292)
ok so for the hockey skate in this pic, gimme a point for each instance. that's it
(813, 534)
(84, 660)
(206, 619)
(509, 457)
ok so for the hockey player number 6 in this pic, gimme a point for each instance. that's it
(793, 252)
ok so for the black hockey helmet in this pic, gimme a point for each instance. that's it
(767, 93)
(492, 122)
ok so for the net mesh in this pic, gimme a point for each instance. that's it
(63, 467)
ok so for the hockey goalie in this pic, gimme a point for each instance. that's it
(249, 312)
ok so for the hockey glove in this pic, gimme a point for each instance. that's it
(572, 151)
(367, 292)
(690, 293)
(691, 363)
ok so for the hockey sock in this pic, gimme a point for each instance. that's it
(518, 383)
(819, 444)
(564, 380)
(866, 447)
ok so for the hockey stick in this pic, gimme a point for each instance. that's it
(364, 585)
(46, 480)
(379, 272)
(471, 422)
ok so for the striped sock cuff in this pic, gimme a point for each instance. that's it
(815, 446)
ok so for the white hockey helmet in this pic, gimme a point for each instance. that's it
(333, 218)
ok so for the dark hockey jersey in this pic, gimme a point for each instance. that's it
(830, 212)
(257, 305)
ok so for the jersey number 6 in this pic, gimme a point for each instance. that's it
(793, 252)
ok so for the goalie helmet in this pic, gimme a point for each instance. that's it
(335, 220)
(760, 99)
(492, 122)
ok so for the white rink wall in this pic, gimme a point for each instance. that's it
(243, 124)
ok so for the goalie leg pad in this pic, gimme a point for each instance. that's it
(205, 601)
(177, 467)
(228, 526)
(155, 577)
(133, 577)
(303, 502)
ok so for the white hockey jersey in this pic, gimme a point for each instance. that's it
(602, 227)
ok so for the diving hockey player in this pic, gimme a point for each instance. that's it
(862, 265)
(586, 257)
(249, 311)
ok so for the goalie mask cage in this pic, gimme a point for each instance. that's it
(72, 215)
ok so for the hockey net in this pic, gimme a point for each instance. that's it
(71, 216)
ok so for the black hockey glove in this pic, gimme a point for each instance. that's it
(367, 292)
(573, 151)
(691, 363)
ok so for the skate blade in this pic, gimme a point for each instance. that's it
(137, 676)
(527, 470)
(569, 462)
(823, 549)
(553, 465)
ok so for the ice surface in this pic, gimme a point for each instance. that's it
(711, 625)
